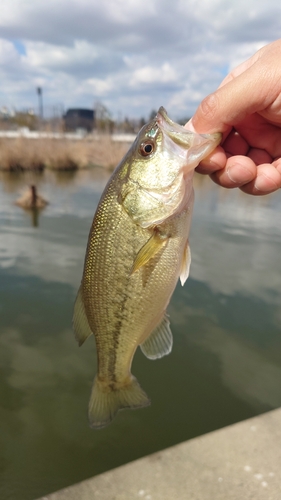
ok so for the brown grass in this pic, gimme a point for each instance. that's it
(59, 154)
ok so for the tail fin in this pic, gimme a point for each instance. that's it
(105, 402)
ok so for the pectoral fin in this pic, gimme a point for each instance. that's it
(149, 250)
(160, 341)
(185, 264)
(80, 322)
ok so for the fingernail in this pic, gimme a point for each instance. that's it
(239, 174)
(189, 126)
(209, 166)
(265, 184)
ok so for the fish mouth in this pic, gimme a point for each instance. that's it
(180, 135)
(176, 132)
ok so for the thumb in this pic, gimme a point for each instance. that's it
(249, 92)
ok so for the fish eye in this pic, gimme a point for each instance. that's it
(146, 148)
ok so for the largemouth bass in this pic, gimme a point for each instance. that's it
(137, 249)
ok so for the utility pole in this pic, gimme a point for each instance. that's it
(40, 101)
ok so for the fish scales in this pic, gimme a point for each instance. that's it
(111, 297)
(137, 249)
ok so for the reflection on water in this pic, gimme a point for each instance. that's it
(226, 361)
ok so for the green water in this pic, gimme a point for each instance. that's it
(225, 365)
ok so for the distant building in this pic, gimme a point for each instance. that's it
(76, 118)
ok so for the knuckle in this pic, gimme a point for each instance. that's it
(209, 106)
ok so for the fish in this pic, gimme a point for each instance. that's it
(137, 250)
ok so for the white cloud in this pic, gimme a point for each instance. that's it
(126, 53)
(151, 75)
(8, 54)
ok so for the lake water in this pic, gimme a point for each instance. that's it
(225, 365)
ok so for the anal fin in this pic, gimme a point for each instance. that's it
(160, 341)
(80, 322)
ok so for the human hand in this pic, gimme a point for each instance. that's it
(246, 108)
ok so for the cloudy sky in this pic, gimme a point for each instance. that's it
(131, 55)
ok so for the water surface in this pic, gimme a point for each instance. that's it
(225, 365)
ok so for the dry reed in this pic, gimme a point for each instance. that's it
(22, 153)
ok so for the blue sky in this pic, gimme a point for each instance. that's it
(131, 55)
(19, 46)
